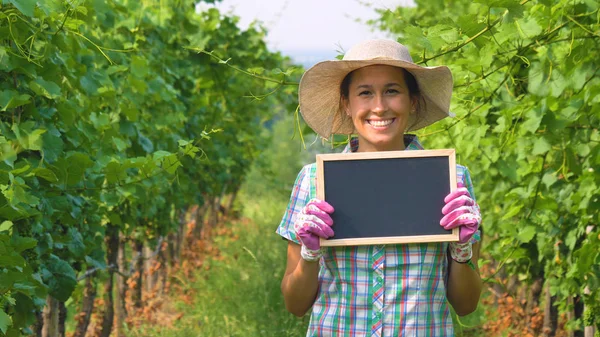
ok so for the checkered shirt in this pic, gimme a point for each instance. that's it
(378, 290)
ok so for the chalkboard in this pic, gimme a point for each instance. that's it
(387, 197)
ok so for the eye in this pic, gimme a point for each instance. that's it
(392, 91)
(364, 93)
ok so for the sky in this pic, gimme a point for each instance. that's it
(311, 30)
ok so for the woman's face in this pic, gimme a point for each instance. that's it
(379, 104)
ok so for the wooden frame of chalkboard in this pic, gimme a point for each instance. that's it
(388, 197)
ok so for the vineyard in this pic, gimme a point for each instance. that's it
(145, 144)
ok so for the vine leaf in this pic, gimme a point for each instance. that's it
(60, 278)
(26, 7)
(5, 321)
(12, 99)
(526, 234)
(45, 88)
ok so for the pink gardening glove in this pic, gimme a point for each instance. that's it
(461, 211)
(311, 224)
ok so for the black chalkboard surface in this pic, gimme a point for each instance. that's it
(387, 197)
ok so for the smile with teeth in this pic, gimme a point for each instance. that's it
(380, 123)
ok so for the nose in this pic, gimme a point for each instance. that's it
(379, 104)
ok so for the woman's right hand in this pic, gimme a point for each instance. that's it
(312, 224)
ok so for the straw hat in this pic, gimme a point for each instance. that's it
(319, 91)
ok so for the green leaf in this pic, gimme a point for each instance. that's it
(115, 218)
(528, 27)
(549, 179)
(171, 163)
(538, 80)
(11, 259)
(145, 143)
(100, 120)
(116, 68)
(19, 171)
(51, 6)
(4, 60)
(512, 211)
(114, 172)
(533, 120)
(96, 260)
(119, 143)
(70, 170)
(33, 141)
(52, 147)
(6, 226)
(583, 150)
(60, 278)
(526, 234)
(139, 66)
(11, 99)
(5, 321)
(8, 278)
(508, 168)
(256, 70)
(541, 146)
(20, 243)
(26, 7)
(130, 112)
(45, 88)
(75, 243)
(158, 155)
(23, 308)
(586, 256)
(44, 173)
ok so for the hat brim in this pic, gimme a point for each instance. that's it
(319, 94)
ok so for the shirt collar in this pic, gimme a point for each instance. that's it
(411, 140)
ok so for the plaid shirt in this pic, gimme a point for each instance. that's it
(380, 290)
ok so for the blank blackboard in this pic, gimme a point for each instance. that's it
(387, 197)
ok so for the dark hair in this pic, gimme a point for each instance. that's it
(411, 83)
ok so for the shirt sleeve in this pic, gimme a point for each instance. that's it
(464, 176)
(298, 198)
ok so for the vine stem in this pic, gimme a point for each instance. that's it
(245, 72)
(469, 40)
(487, 100)
(537, 188)
(582, 26)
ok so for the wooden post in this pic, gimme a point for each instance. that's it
(50, 314)
(148, 262)
(112, 249)
(139, 270)
(87, 306)
(589, 331)
(62, 318)
(550, 315)
(120, 310)
(38, 324)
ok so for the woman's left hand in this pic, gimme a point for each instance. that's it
(461, 211)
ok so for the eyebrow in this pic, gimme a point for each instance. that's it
(368, 86)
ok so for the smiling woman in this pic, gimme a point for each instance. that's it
(378, 94)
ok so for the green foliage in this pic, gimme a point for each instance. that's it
(109, 115)
(526, 85)
(237, 292)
